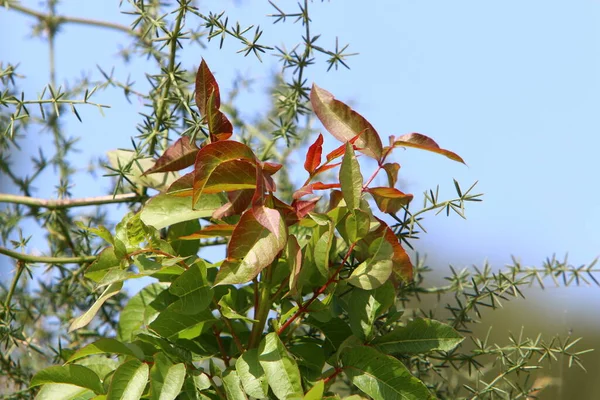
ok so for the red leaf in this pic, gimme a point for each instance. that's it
(219, 230)
(239, 201)
(313, 157)
(389, 200)
(206, 85)
(326, 167)
(182, 187)
(303, 207)
(218, 125)
(179, 155)
(391, 169)
(342, 149)
(211, 156)
(344, 123)
(232, 175)
(270, 167)
(308, 189)
(269, 218)
(423, 142)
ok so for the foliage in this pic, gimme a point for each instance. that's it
(315, 297)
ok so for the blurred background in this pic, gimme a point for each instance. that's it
(511, 86)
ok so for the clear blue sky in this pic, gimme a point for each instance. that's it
(512, 86)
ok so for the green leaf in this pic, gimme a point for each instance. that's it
(128, 381)
(252, 247)
(280, 368)
(316, 392)
(213, 155)
(73, 374)
(106, 260)
(108, 345)
(419, 336)
(423, 142)
(252, 375)
(365, 306)
(166, 378)
(87, 317)
(184, 248)
(193, 290)
(382, 377)
(344, 123)
(63, 391)
(179, 155)
(389, 200)
(350, 178)
(170, 324)
(375, 271)
(323, 250)
(139, 311)
(233, 386)
(357, 225)
(164, 209)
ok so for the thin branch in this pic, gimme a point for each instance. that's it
(46, 259)
(64, 19)
(69, 203)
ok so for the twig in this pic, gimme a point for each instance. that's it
(46, 259)
(69, 203)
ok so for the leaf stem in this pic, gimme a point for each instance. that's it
(264, 306)
(316, 294)
(69, 203)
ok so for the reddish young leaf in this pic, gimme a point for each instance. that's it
(232, 175)
(402, 265)
(303, 207)
(308, 189)
(313, 156)
(423, 142)
(219, 230)
(389, 200)
(326, 167)
(391, 169)
(182, 187)
(211, 156)
(219, 126)
(239, 201)
(251, 248)
(269, 218)
(179, 155)
(270, 168)
(293, 253)
(344, 123)
(342, 149)
(288, 212)
(206, 85)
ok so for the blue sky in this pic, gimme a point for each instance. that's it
(511, 86)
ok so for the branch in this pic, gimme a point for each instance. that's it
(46, 259)
(61, 18)
(69, 203)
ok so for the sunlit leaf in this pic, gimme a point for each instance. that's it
(193, 290)
(233, 386)
(389, 200)
(206, 85)
(211, 156)
(179, 155)
(139, 311)
(72, 374)
(165, 209)
(351, 179)
(357, 225)
(374, 272)
(423, 142)
(316, 392)
(308, 189)
(391, 170)
(129, 381)
(87, 316)
(365, 306)
(252, 247)
(280, 368)
(252, 375)
(382, 377)
(107, 345)
(344, 123)
(293, 254)
(218, 230)
(166, 378)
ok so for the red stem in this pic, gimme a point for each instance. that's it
(316, 294)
